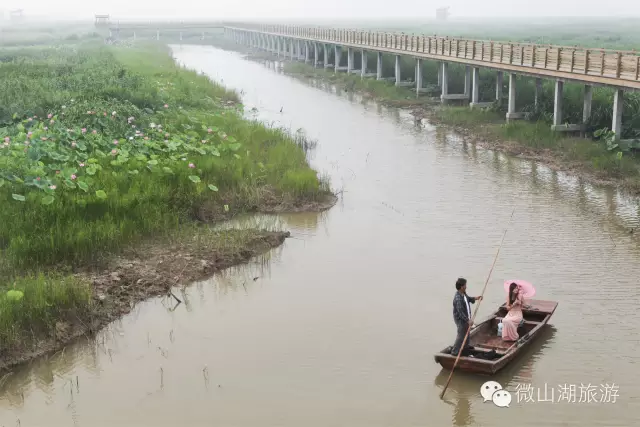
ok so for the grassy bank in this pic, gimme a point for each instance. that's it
(102, 148)
(533, 139)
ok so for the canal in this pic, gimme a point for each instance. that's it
(339, 326)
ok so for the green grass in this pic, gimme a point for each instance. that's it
(538, 136)
(72, 196)
(46, 300)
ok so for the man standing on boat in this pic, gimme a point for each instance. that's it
(462, 314)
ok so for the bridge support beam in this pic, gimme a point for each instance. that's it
(557, 104)
(379, 66)
(350, 57)
(444, 82)
(363, 63)
(398, 77)
(315, 55)
(475, 90)
(467, 81)
(419, 79)
(616, 124)
(338, 53)
(306, 52)
(511, 107)
(327, 63)
(440, 74)
(587, 96)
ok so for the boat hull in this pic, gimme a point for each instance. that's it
(483, 338)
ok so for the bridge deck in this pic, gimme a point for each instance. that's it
(594, 66)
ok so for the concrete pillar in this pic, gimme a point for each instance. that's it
(315, 55)
(277, 47)
(326, 56)
(349, 59)
(557, 104)
(467, 81)
(134, 36)
(398, 77)
(475, 90)
(586, 103)
(511, 107)
(418, 76)
(337, 52)
(444, 83)
(363, 63)
(299, 52)
(158, 35)
(180, 35)
(379, 66)
(537, 93)
(616, 125)
(440, 74)
(499, 84)
(292, 46)
(306, 52)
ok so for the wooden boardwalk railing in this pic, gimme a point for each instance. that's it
(619, 68)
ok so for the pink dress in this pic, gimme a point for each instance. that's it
(512, 320)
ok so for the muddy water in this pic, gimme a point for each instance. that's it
(339, 326)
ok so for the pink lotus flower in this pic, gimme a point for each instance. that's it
(29, 134)
(191, 165)
(44, 138)
(38, 179)
(115, 142)
(81, 165)
(57, 172)
(105, 114)
(166, 135)
(49, 115)
(73, 144)
(166, 105)
(29, 119)
(94, 132)
(52, 187)
(7, 139)
(73, 177)
(114, 152)
(146, 138)
(209, 130)
(113, 114)
(84, 130)
(89, 112)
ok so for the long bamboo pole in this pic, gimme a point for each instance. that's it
(477, 306)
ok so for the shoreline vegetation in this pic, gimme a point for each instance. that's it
(598, 160)
(115, 162)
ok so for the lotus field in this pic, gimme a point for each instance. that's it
(102, 146)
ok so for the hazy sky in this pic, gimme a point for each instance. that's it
(273, 9)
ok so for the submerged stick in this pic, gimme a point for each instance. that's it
(477, 306)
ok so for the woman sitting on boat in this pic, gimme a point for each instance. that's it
(513, 318)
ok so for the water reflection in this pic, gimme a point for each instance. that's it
(342, 321)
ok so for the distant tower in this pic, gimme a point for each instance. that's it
(442, 13)
(102, 20)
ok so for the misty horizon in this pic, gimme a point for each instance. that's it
(283, 10)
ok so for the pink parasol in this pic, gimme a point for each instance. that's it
(526, 289)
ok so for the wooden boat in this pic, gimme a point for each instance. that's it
(485, 340)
